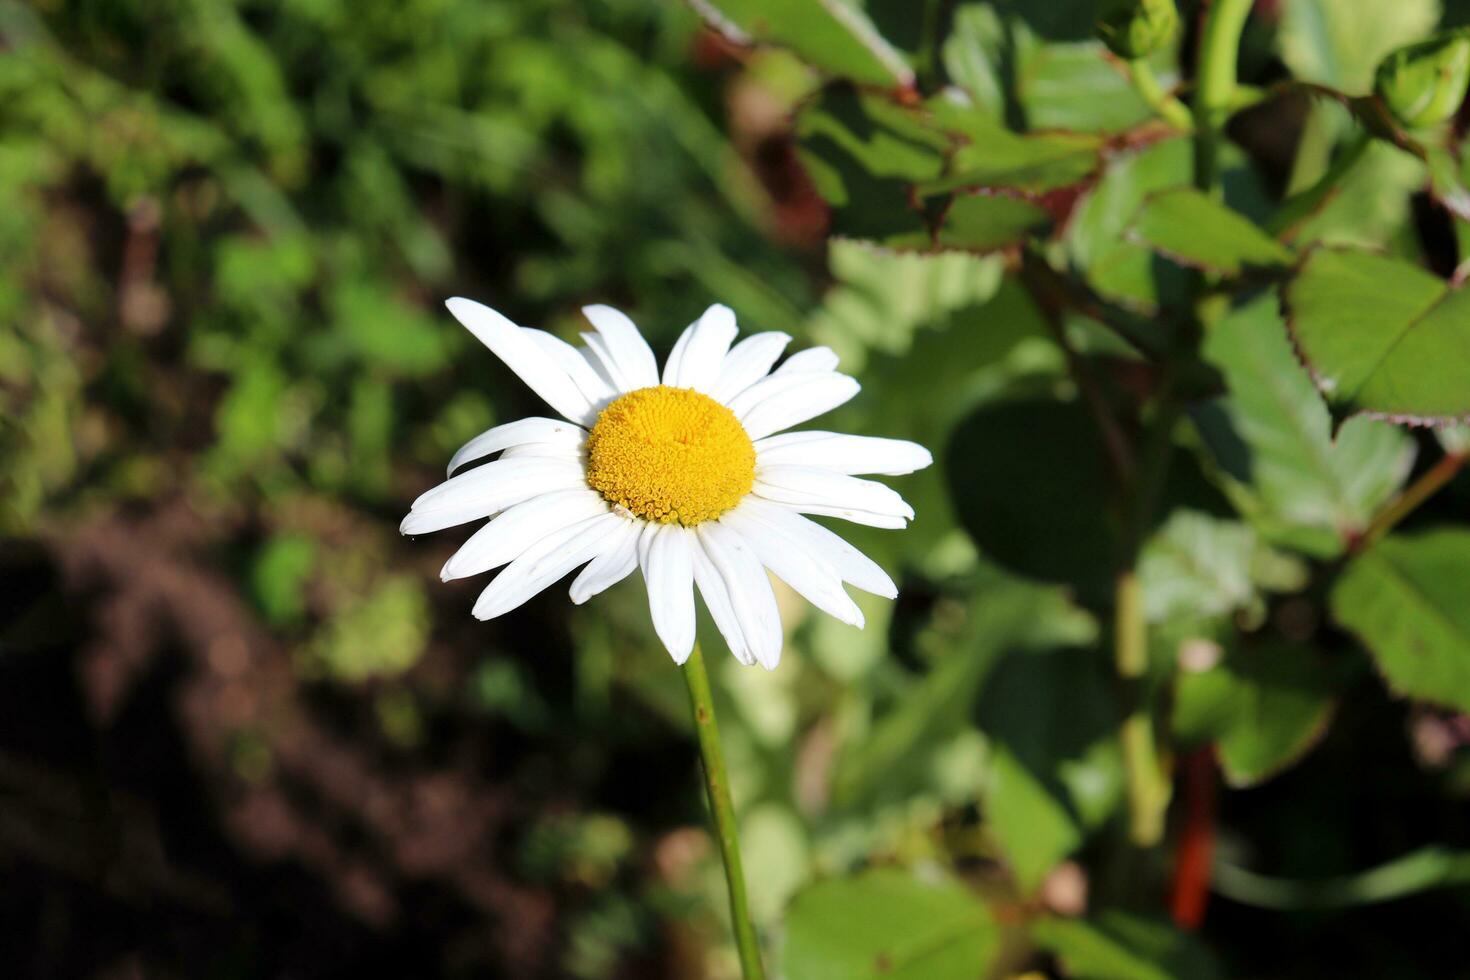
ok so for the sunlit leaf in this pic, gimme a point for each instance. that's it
(1382, 336)
(1405, 599)
(1271, 440)
(865, 155)
(888, 924)
(835, 35)
(1195, 230)
(1199, 567)
(1120, 946)
(1340, 42)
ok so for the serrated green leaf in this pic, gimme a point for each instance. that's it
(1116, 267)
(1404, 597)
(1196, 230)
(836, 36)
(987, 222)
(994, 157)
(865, 155)
(1120, 946)
(879, 166)
(1381, 336)
(1270, 438)
(888, 924)
(1265, 706)
(1200, 567)
(1028, 63)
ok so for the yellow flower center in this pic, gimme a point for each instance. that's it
(670, 455)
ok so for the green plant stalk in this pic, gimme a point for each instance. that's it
(722, 810)
(1162, 102)
(1215, 87)
(1431, 482)
(1415, 872)
(1148, 793)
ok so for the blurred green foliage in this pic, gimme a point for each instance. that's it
(226, 228)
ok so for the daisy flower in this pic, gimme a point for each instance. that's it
(681, 475)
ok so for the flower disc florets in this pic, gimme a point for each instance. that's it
(670, 455)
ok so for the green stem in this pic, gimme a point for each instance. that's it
(1148, 793)
(1415, 872)
(1215, 88)
(1163, 102)
(1431, 482)
(1303, 204)
(1147, 785)
(722, 809)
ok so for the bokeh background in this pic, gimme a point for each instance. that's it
(245, 731)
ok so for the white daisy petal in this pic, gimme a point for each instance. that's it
(517, 433)
(590, 382)
(612, 566)
(545, 562)
(865, 517)
(717, 600)
(817, 491)
(750, 591)
(709, 339)
(544, 450)
(595, 362)
(539, 370)
(824, 545)
(748, 362)
(676, 356)
(816, 582)
(488, 489)
(625, 345)
(601, 358)
(811, 359)
(517, 528)
(843, 453)
(665, 551)
(813, 395)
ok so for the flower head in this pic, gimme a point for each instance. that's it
(680, 474)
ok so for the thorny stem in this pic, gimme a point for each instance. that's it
(1034, 272)
(1431, 482)
(1163, 102)
(722, 809)
(1215, 89)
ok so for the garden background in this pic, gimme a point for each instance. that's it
(246, 732)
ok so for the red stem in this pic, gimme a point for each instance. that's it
(1192, 860)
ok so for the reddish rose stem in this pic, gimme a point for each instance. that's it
(1191, 886)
